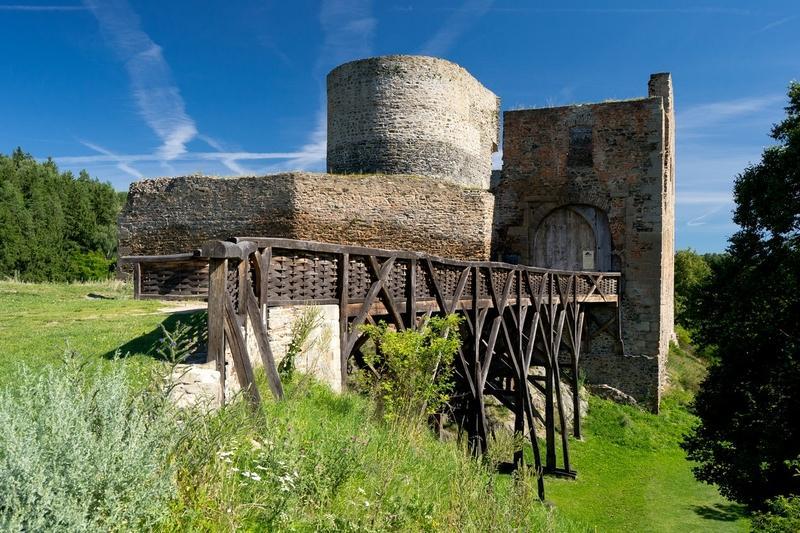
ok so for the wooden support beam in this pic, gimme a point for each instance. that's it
(342, 292)
(241, 359)
(388, 299)
(248, 299)
(383, 273)
(137, 281)
(217, 295)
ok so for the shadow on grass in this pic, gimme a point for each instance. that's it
(149, 343)
(721, 512)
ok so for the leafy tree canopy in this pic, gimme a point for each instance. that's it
(748, 439)
(54, 226)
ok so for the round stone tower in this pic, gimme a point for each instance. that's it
(411, 115)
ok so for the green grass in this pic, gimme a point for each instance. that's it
(344, 470)
(632, 474)
(38, 322)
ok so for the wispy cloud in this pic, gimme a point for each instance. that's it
(776, 23)
(701, 220)
(599, 10)
(461, 20)
(20, 7)
(230, 162)
(106, 156)
(348, 27)
(705, 116)
(157, 97)
(121, 163)
(703, 198)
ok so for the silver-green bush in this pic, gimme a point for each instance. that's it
(81, 449)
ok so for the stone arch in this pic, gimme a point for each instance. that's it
(573, 237)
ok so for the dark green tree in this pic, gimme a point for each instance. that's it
(53, 226)
(748, 438)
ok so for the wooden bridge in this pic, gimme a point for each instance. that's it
(523, 326)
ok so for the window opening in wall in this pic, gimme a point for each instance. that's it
(580, 147)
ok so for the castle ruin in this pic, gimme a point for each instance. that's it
(410, 140)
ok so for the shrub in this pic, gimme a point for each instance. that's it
(781, 516)
(410, 370)
(88, 266)
(81, 449)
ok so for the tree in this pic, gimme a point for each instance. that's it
(748, 438)
(53, 226)
(691, 272)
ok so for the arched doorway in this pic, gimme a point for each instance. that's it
(573, 237)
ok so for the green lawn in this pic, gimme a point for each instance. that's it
(632, 474)
(38, 322)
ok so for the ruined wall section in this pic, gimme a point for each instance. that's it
(170, 215)
(623, 172)
(395, 212)
(411, 115)
(660, 85)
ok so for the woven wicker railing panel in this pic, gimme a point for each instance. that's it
(483, 283)
(447, 277)
(499, 278)
(609, 286)
(361, 278)
(583, 284)
(424, 287)
(177, 278)
(302, 276)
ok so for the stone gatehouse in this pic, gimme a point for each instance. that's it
(410, 143)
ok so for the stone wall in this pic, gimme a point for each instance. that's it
(411, 115)
(169, 215)
(617, 157)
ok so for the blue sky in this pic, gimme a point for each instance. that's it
(143, 89)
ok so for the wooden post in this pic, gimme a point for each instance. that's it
(244, 282)
(344, 337)
(137, 280)
(217, 293)
(411, 294)
(266, 262)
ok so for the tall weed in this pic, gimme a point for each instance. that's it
(82, 449)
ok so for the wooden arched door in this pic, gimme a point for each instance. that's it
(573, 237)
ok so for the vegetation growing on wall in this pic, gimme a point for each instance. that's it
(54, 226)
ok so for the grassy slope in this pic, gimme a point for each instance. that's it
(39, 321)
(632, 475)
(413, 481)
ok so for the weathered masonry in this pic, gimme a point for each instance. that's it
(582, 188)
(592, 187)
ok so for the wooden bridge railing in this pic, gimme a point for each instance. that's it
(516, 318)
(169, 277)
